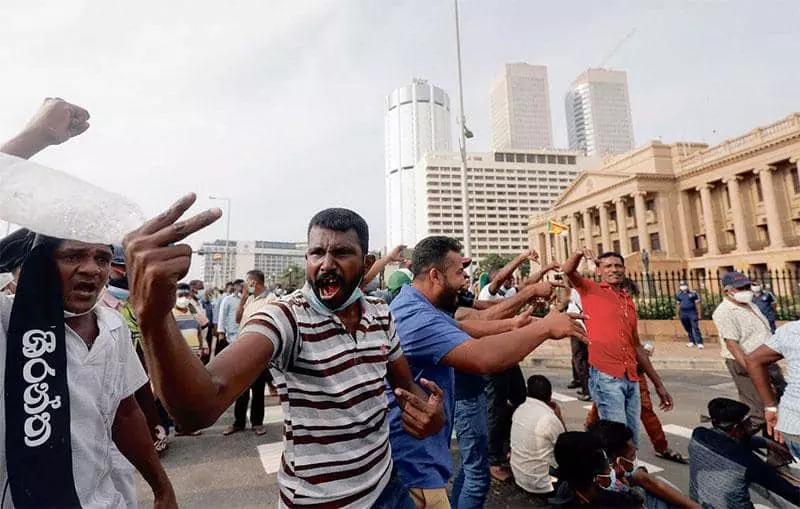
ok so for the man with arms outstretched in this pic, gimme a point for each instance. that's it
(333, 348)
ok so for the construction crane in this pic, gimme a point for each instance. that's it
(616, 48)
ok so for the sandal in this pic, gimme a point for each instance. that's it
(671, 455)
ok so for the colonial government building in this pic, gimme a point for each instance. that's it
(735, 205)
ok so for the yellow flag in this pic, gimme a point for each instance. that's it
(556, 228)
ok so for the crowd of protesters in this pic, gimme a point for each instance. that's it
(106, 349)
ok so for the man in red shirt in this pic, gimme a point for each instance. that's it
(614, 348)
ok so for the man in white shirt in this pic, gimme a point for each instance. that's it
(535, 427)
(68, 367)
(742, 329)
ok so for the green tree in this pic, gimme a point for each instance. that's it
(293, 276)
(493, 262)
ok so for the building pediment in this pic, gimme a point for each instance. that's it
(588, 183)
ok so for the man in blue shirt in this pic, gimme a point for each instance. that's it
(765, 302)
(689, 311)
(435, 344)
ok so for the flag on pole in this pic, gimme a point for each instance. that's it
(556, 228)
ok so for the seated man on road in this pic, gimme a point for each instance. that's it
(333, 348)
(585, 476)
(723, 467)
(535, 427)
(617, 440)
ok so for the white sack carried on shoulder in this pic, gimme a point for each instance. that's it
(58, 204)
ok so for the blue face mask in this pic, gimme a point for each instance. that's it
(118, 293)
(201, 294)
(322, 308)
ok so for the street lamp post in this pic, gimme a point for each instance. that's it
(464, 133)
(227, 265)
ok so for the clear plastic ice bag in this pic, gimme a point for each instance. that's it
(58, 204)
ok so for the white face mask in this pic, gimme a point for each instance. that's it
(182, 302)
(683, 288)
(756, 288)
(744, 296)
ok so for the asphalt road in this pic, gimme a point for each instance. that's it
(238, 472)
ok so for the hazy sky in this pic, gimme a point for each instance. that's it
(279, 104)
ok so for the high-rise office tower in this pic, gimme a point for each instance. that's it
(599, 113)
(520, 108)
(417, 120)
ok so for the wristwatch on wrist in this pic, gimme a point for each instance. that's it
(772, 409)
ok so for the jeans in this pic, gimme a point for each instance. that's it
(691, 324)
(794, 447)
(394, 496)
(617, 399)
(471, 483)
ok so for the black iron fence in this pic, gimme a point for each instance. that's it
(654, 293)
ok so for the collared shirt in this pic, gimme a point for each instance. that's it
(332, 391)
(721, 471)
(99, 379)
(227, 316)
(745, 325)
(534, 431)
(253, 304)
(125, 309)
(687, 300)
(786, 342)
(427, 334)
(611, 328)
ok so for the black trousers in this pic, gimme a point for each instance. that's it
(504, 393)
(257, 406)
(580, 363)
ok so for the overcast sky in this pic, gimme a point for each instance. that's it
(279, 104)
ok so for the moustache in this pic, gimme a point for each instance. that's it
(329, 277)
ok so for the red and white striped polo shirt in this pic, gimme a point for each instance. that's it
(333, 395)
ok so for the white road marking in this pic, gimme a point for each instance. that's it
(587, 407)
(650, 467)
(563, 398)
(761, 506)
(270, 455)
(723, 386)
(681, 431)
(273, 414)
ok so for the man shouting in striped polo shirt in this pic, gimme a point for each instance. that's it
(330, 347)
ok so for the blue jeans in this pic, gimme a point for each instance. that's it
(394, 496)
(691, 325)
(617, 399)
(472, 481)
(794, 447)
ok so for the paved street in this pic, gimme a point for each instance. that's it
(237, 472)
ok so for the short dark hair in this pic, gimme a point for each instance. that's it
(539, 387)
(229, 283)
(342, 220)
(194, 283)
(257, 275)
(726, 413)
(579, 457)
(183, 287)
(432, 252)
(238, 282)
(613, 436)
(611, 254)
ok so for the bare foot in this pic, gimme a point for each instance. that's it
(500, 473)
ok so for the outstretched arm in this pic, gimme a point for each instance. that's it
(194, 394)
(395, 255)
(508, 270)
(56, 122)
(493, 354)
(509, 307)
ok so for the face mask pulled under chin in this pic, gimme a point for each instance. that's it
(70, 314)
(613, 484)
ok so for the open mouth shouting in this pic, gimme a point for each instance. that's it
(329, 285)
(84, 291)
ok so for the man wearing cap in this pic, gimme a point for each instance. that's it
(742, 328)
(723, 467)
(68, 366)
(436, 345)
(397, 280)
(689, 311)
